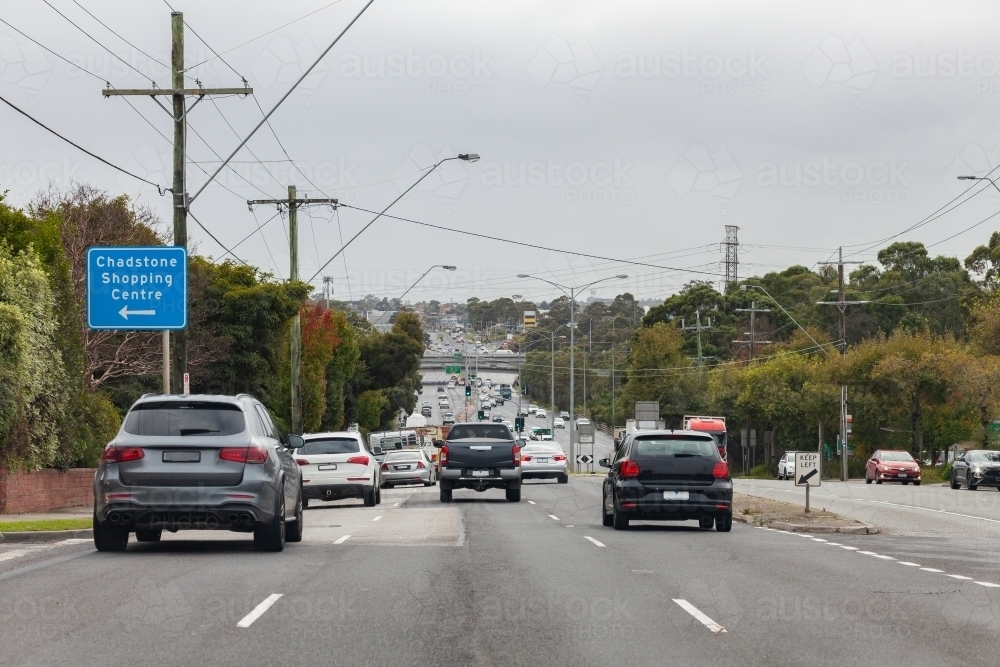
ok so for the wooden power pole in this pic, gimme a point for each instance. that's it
(178, 94)
(293, 204)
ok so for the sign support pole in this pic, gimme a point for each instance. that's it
(166, 361)
(807, 500)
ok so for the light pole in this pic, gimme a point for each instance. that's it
(446, 267)
(613, 319)
(520, 363)
(552, 380)
(571, 293)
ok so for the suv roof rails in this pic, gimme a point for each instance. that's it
(238, 396)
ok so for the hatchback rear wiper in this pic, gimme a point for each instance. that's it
(685, 456)
(197, 431)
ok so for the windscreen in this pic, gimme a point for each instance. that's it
(167, 418)
(896, 456)
(403, 456)
(675, 447)
(984, 457)
(491, 431)
(330, 446)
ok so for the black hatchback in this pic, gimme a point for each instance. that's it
(667, 476)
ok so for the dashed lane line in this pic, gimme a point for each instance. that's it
(702, 618)
(591, 539)
(553, 517)
(376, 518)
(258, 611)
(341, 540)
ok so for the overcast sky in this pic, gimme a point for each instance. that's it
(634, 131)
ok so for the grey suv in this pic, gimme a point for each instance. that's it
(198, 462)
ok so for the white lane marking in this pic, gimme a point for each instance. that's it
(818, 539)
(377, 518)
(849, 548)
(883, 557)
(341, 540)
(931, 569)
(553, 517)
(958, 576)
(395, 504)
(571, 526)
(868, 553)
(909, 564)
(988, 584)
(258, 611)
(926, 509)
(697, 613)
(531, 502)
(588, 537)
(834, 544)
(10, 555)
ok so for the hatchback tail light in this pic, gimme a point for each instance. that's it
(444, 455)
(517, 455)
(628, 469)
(115, 454)
(256, 455)
(720, 470)
(360, 460)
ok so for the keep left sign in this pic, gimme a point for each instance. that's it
(137, 288)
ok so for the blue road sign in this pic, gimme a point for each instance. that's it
(137, 288)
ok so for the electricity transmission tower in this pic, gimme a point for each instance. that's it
(732, 244)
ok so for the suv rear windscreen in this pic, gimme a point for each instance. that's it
(491, 431)
(660, 447)
(166, 418)
(330, 446)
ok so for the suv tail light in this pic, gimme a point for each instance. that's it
(302, 462)
(721, 470)
(517, 455)
(115, 454)
(628, 469)
(254, 455)
(360, 460)
(444, 455)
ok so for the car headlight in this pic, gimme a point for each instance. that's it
(978, 472)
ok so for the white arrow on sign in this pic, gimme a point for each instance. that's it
(125, 312)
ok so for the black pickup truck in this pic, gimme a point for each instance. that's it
(480, 456)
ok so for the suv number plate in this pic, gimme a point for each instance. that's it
(675, 495)
(327, 466)
(480, 473)
(181, 457)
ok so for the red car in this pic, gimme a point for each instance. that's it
(892, 465)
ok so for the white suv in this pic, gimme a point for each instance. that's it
(786, 466)
(338, 465)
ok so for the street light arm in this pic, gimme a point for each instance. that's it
(561, 288)
(381, 213)
(400, 298)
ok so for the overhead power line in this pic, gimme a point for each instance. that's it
(536, 246)
(24, 113)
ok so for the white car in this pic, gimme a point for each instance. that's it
(558, 422)
(786, 466)
(540, 413)
(338, 465)
(582, 421)
(532, 409)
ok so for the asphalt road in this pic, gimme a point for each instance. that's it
(485, 582)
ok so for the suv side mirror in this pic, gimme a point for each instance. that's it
(439, 443)
(604, 463)
(295, 441)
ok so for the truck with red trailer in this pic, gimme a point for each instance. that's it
(715, 426)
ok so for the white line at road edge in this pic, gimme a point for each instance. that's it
(341, 540)
(377, 518)
(705, 620)
(258, 611)
(588, 537)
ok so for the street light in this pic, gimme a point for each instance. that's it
(446, 267)
(572, 291)
(468, 157)
(613, 320)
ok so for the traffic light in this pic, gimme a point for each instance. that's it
(468, 390)
(518, 424)
(482, 415)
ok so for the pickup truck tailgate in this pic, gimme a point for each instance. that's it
(476, 453)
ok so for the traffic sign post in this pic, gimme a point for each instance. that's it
(137, 288)
(808, 472)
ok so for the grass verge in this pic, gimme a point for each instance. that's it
(44, 524)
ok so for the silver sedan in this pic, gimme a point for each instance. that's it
(543, 460)
(407, 466)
